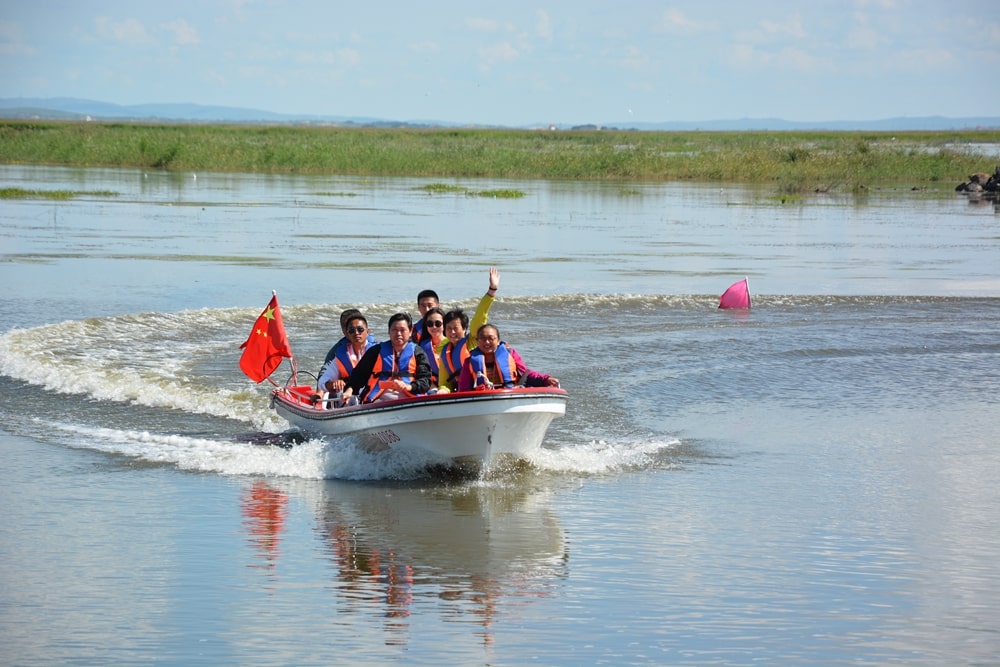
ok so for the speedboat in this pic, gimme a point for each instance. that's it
(468, 426)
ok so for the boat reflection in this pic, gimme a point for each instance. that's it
(468, 550)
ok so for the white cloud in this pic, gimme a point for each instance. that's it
(635, 59)
(496, 53)
(675, 21)
(253, 71)
(349, 56)
(12, 42)
(425, 47)
(215, 76)
(315, 57)
(977, 32)
(786, 58)
(792, 58)
(9, 49)
(993, 33)
(544, 25)
(10, 31)
(879, 4)
(184, 33)
(484, 25)
(792, 27)
(863, 35)
(129, 31)
(920, 60)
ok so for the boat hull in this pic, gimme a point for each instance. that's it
(460, 425)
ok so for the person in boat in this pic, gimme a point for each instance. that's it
(494, 364)
(346, 354)
(433, 338)
(453, 352)
(345, 318)
(393, 369)
(426, 300)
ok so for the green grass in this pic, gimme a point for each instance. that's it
(499, 194)
(21, 193)
(444, 188)
(790, 162)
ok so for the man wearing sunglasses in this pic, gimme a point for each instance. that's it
(393, 369)
(346, 353)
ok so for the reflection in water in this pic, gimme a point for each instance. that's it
(265, 509)
(470, 549)
(360, 566)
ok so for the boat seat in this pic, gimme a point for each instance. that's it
(302, 393)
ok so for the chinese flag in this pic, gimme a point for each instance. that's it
(267, 344)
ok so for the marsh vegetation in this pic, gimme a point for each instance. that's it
(792, 162)
(25, 193)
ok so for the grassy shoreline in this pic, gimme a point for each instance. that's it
(792, 162)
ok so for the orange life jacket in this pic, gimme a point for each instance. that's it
(452, 358)
(389, 367)
(505, 367)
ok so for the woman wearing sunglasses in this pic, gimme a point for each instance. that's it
(432, 339)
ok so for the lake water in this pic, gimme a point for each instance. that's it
(813, 481)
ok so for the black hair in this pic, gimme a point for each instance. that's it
(348, 315)
(432, 311)
(400, 317)
(488, 325)
(457, 314)
(428, 293)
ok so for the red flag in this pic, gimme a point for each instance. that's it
(267, 344)
(737, 296)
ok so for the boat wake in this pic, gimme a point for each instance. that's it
(292, 455)
(165, 389)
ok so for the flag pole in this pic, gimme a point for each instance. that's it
(291, 358)
(274, 295)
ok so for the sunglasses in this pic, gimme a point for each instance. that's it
(354, 330)
(435, 323)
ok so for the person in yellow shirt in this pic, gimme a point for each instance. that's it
(454, 349)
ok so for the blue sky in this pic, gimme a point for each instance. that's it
(514, 63)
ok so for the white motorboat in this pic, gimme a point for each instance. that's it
(473, 425)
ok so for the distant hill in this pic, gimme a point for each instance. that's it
(899, 124)
(67, 108)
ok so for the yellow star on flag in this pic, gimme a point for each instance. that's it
(267, 344)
